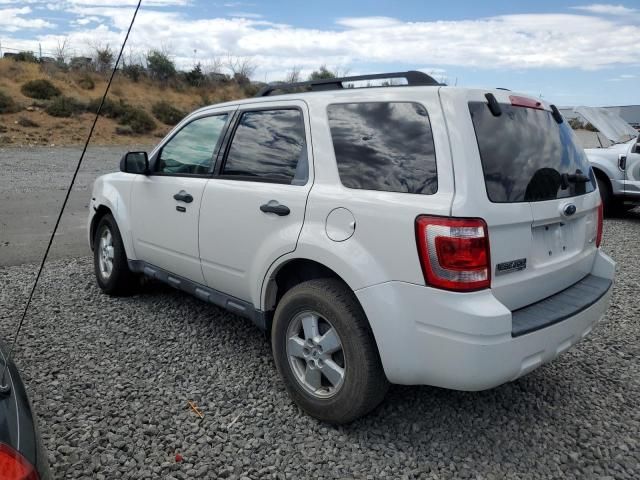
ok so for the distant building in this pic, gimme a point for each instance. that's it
(631, 114)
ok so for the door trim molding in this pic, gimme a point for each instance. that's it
(209, 295)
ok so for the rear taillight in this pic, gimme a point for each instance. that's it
(599, 231)
(14, 466)
(454, 252)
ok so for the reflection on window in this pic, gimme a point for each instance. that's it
(269, 145)
(191, 150)
(384, 146)
(526, 156)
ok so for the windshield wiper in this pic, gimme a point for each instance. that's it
(567, 178)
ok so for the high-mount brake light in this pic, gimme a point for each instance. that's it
(518, 101)
(454, 252)
(14, 466)
(600, 226)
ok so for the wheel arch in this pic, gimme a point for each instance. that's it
(289, 273)
(293, 271)
(101, 211)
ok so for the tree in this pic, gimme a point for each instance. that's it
(103, 58)
(322, 73)
(160, 66)
(241, 68)
(293, 75)
(60, 50)
(195, 77)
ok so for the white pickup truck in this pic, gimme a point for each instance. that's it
(410, 234)
(613, 149)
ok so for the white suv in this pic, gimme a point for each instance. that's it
(412, 234)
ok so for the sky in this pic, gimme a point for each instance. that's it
(567, 52)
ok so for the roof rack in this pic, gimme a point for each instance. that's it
(413, 78)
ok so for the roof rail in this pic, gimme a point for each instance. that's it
(413, 78)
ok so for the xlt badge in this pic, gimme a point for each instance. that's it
(511, 266)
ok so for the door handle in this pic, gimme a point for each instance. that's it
(275, 207)
(183, 196)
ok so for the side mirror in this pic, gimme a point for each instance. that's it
(622, 162)
(135, 162)
(636, 148)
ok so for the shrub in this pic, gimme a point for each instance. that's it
(138, 119)
(27, 122)
(25, 57)
(124, 130)
(86, 82)
(65, 107)
(8, 104)
(133, 72)
(104, 58)
(323, 73)
(41, 89)
(160, 66)
(167, 113)
(195, 77)
(110, 109)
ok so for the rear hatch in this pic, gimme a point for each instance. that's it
(524, 174)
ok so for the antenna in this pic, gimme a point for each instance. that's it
(5, 386)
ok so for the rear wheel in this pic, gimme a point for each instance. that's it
(110, 259)
(606, 196)
(325, 352)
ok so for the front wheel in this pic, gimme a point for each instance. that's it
(110, 259)
(325, 352)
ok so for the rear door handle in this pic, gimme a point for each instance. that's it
(275, 207)
(183, 196)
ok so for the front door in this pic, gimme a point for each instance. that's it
(253, 209)
(165, 204)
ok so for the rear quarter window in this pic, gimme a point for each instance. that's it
(384, 146)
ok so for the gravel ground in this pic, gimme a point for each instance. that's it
(110, 379)
(33, 184)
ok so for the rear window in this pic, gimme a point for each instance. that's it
(526, 156)
(384, 146)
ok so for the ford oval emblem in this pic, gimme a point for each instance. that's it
(569, 210)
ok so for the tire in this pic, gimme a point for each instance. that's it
(118, 280)
(363, 384)
(608, 204)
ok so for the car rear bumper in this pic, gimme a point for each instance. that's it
(467, 341)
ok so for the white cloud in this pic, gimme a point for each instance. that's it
(11, 20)
(606, 9)
(367, 22)
(515, 42)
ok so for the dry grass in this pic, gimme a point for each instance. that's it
(70, 131)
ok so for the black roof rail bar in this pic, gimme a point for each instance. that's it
(413, 78)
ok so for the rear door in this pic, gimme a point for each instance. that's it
(253, 209)
(533, 186)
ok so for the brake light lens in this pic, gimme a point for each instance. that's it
(454, 252)
(14, 466)
(600, 226)
(518, 101)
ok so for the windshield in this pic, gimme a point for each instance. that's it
(526, 156)
(608, 123)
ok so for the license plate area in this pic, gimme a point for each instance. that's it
(554, 242)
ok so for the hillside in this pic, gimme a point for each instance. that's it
(29, 121)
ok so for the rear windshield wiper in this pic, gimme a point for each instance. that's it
(578, 177)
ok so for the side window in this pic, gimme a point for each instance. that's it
(191, 150)
(269, 145)
(384, 146)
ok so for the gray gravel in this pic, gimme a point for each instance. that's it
(110, 379)
(33, 184)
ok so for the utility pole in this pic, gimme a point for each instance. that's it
(40, 50)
